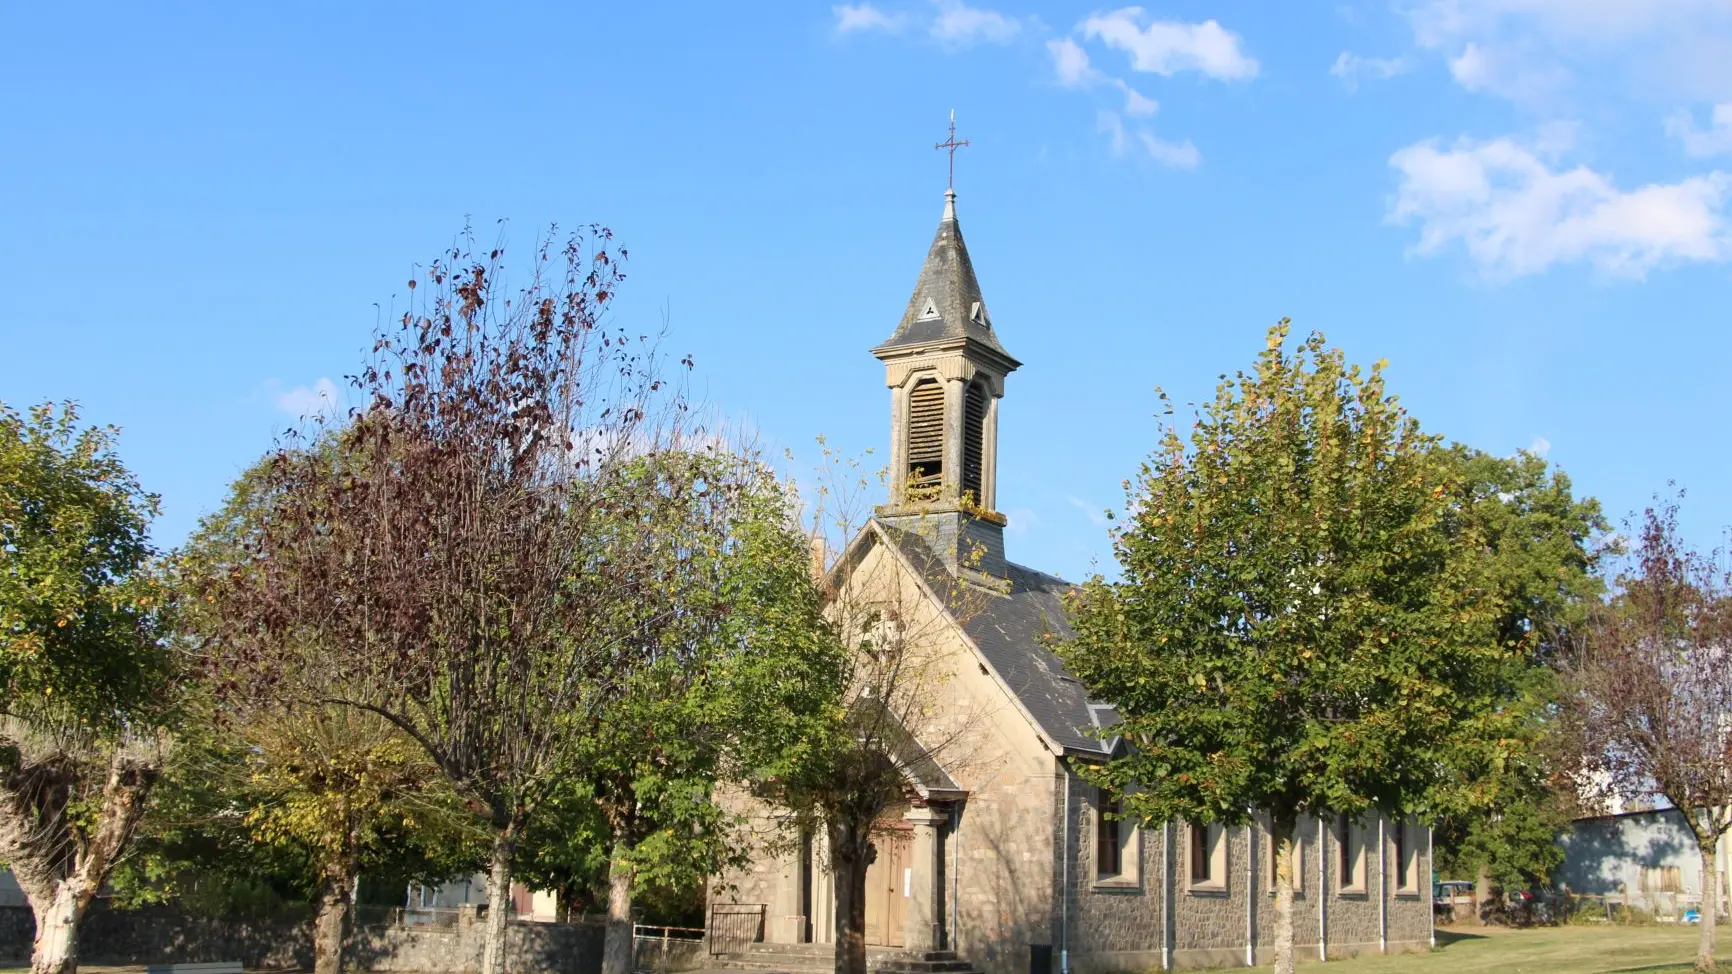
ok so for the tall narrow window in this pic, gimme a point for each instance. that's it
(925, 440)
(1201, 854)
(1402, 871)
(1349, 854)
(1109, 850)
(974, 441)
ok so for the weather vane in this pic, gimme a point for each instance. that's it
(952, 145)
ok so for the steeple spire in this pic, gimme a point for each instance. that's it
(946, 304)
(946, 369)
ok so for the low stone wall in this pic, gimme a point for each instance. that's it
(165, 935)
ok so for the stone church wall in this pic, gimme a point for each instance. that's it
(1305, 891)
(161, 935)
(1409, 912)
(1114, 926)
(1352, 916)
(1004, 851)
(771, 876)
(1212, 926)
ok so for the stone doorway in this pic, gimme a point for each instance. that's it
(888, 882)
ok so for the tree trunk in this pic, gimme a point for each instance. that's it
(1482, 895)
(56, 948)
(850, 855)
(616, 952)
(331, 925)
(59, 887)
(1281, 829)
(1710, 910)
(562, 901)
(499, 899)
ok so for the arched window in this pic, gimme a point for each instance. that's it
(925, 440)
(974, 442)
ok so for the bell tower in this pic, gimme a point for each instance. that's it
(946, 370)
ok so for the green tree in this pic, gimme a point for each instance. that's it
(736, 686)
(1297, 629)
(1499, 819)
(86, 679)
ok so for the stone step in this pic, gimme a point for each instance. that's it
(820, 959)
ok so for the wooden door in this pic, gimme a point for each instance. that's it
(887, 884)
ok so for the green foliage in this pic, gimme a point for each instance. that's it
(1304, 623)
(735, 686)
(81, 614)
(1542, 549)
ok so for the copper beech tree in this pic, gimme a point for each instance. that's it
(458, 563)
(1649, 694)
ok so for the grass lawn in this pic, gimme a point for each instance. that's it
(1595, 949)
(1586, 949)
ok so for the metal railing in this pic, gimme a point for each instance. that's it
(735, 926)
(659, 950)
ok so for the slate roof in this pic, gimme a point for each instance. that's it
(1014, 631)
(948, 286)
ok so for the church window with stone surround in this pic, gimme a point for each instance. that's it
(925, 440)
(1109, 857)
(1115, 842)
(973, 440)
(1350, 855)
(1207, 852)
(1406, 858)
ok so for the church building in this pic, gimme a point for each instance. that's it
(1000, 852)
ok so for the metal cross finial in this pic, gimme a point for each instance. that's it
(952, 145)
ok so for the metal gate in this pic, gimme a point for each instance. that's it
(734, 926)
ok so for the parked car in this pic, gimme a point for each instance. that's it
(1452, 899)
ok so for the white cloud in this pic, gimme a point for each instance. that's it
(959, 25)
(306, 402)
(1110, 124)
(1177, 155)
(1508, 71)
(1711, 141)
(1534, 51)
(1352, 68)
(1516, 215)
(852, 17)
(1096, 515)
(1137, 104)
(1540, 447)
(1071, 63)
(1167, 47)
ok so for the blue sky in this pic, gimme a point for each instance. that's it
(1521, 204)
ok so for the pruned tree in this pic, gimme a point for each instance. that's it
(1298, 629)
(460, 571)
(86, 678)
(895, 717)
(1649, 694)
